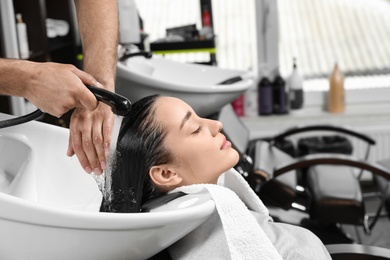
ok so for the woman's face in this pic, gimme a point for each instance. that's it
(201, 153)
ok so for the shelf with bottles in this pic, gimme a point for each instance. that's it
(34, 14)
(65, 41)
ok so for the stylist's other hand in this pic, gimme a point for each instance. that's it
(90, 137)
(57, 88)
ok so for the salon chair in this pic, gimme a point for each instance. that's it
(384, 186)
(333, 188)
(336, 251)
(357, 252)
(324, 185)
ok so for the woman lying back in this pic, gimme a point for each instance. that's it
(164, 146)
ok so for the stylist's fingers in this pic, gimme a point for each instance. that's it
(76, 146)
(86, 97)
(98, 143)
(107, 127)
(101, 134)
(90, 151)
(78, 138)
(101, 130)
(70, 151)
(107, 131)
(90, 137)
(87, 149)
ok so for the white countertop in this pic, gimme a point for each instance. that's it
(362, 115)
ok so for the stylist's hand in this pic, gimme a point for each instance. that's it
(57, 88)
(90, 137)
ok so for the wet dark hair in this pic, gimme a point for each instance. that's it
(139, 147)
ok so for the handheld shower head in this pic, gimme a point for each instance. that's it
(120, 105)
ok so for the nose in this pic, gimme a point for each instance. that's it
(215, 127)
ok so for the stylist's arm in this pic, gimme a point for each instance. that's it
(90, 131)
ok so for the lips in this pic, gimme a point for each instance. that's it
(225, 144)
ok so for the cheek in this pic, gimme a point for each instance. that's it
(202, 158)
(211, 161)
(198, 166)
(196, 158)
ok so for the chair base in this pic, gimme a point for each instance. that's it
(328, 233)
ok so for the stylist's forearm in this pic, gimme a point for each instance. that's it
(98, 25)
(14, 76)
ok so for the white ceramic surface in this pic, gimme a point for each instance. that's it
(198, 85)
(49, 205)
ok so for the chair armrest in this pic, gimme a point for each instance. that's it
(356, 251)
(297, 130)
(332, 159)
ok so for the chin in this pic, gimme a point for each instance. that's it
(234, 157)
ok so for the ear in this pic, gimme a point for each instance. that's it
(165, 177)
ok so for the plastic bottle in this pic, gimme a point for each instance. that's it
(207, 27)
(238, 105)
(336, 96)
(265, 96)
(21, 29)
(129, 23)
(280, 96)
(206, 17)
(295, 85)
(251, 102)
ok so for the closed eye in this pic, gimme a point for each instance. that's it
(197, 131)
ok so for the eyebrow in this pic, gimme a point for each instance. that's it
(185, 119)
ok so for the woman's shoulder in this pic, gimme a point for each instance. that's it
(295, 242)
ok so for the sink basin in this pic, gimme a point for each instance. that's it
(198, 85)
(50, 206)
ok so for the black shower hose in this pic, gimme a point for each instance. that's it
(22, 119)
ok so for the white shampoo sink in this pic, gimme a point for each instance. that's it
(50, 206)
(198, 85)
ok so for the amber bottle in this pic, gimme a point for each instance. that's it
(336, 95)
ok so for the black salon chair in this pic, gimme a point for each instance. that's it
(357, 252)
(333, 188)
(336, 251)
(327, 190)
(384, 186)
